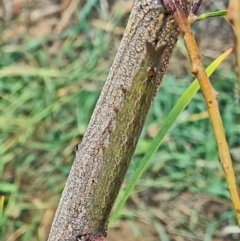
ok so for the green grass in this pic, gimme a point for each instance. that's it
(45, 110)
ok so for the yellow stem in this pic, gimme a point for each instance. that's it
(210, 96)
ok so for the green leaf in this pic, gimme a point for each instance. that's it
(211, 15)
(7, 187)
(1, 208)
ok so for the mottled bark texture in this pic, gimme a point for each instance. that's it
(104, 154)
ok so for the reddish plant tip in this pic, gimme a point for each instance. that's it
(195, 6)
(171, 6)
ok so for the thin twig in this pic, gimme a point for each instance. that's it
(210, 96)
(194, 18)
(234, 18)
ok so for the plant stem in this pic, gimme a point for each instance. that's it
(103, 156)
(210, 96)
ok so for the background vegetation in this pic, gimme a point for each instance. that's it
(53, 65)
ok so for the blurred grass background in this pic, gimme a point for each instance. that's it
(55, 56)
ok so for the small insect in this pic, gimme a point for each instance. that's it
(151, 72)
(76, 148)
